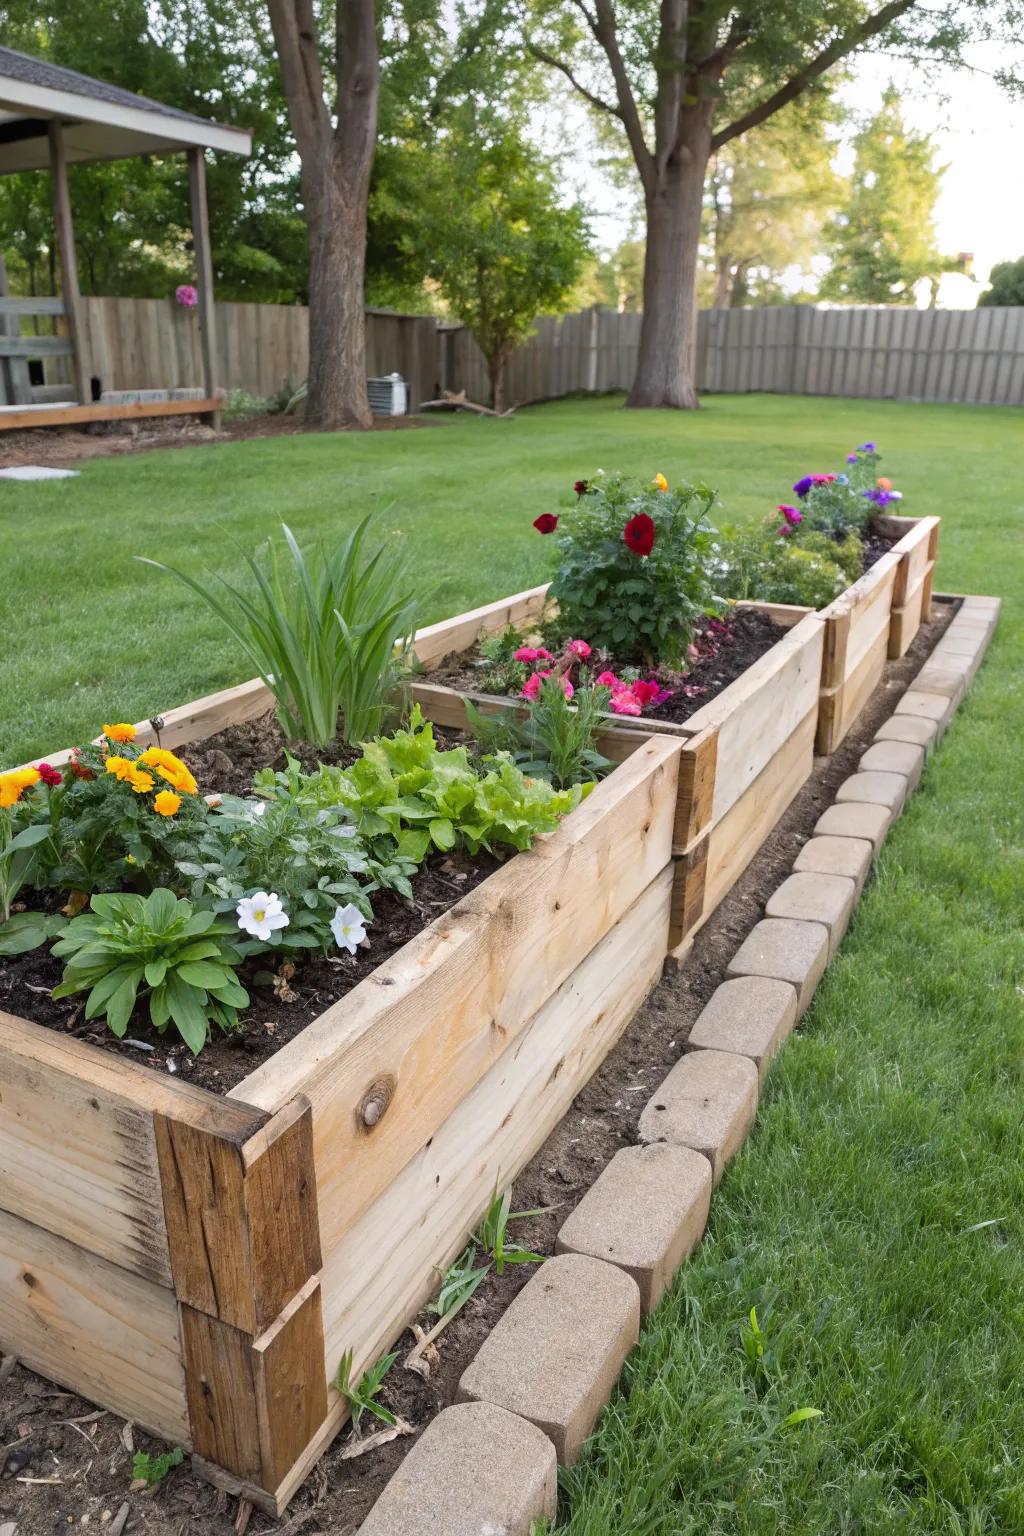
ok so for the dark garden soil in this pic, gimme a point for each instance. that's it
(748, 635)
(875, 546)
(68, 1466)
(291, 998)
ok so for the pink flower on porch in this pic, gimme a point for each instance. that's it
(186, 296)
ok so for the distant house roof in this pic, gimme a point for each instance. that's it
(101, 121)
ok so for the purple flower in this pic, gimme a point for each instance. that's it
(851, 458)
(186, 296)
(866, 448)
(804, 485)
(792, 516)
(879, 497)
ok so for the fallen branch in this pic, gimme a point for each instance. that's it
(451, 400)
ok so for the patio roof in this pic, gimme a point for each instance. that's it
(100, 121)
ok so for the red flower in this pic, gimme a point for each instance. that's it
(49, 775)
(79, 770)
(580, 487)
(546, 523)
(639, 534)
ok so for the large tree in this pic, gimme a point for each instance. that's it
(883, 241)
(684, 78)
(1006, 284)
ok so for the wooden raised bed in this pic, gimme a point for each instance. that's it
(874, 621)
(743, 756)
(200, 1264)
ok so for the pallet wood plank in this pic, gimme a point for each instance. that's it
(487, 1138)
(93, 1327)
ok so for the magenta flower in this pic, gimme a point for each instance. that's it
(792, 516)
(607, 680)
(186, 296)
(578, 648)
(625, 702)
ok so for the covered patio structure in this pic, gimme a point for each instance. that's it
(51, 118)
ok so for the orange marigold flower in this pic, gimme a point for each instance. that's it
(140, 782)
(659, 482)
(25, 777)
(883, 484)
(121, 767)
(121, 732)
(167, 804)
(10, 790)
(171, 769)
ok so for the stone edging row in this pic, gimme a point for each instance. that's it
(534, 1391)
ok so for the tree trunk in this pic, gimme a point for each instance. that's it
(336, 395)
(664, 374)
(740, 290)
(496, 365)
(723, 285)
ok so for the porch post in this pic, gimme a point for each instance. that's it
(204, 270)
(68, 265)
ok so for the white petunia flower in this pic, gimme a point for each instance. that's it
(349, 928)
(261, 914)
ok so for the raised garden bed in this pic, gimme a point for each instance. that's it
(200, 1263)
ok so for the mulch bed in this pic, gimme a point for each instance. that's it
(89, 1460)
(748, 635)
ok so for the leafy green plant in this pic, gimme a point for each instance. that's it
(550, 737)
(500, 672)
(758, 565)
(492, 1234)
(178, 959)
(425, 799)
(754, 1342)
(26, 828)
(327, 634)
(633, 574)
(361, 1397)
(153, 1469)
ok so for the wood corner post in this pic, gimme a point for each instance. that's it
(65, 229)
(204, 273)
(240, 1204)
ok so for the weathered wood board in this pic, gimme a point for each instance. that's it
(857, 627)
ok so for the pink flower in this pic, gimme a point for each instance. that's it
(567, 688)
(650, 692)
(791, 514)
(693, 651)
(784, 531)
(578, 648)
(608, 680)
(49, 775)
(531, 688)
(625, 702)
(186, 296)
(822, 479)
(532, 653)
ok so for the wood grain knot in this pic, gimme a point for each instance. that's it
(375, 1102)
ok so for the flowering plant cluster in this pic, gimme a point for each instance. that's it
(840, 503)
(633, 565)
(186, 296)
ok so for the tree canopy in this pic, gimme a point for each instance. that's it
(1006, 284)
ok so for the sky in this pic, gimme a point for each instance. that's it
(978, 133)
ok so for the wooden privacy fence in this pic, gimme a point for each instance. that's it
(154, 344)
(973, 356)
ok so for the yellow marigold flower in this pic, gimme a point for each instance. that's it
(10, 793)
(170, 768)
(122, 732)
(121, 767)
(24, 778)
(660, 483)
(167, 804)
(141, 782)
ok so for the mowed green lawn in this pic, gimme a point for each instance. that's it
(91, 635)
(875, 1216)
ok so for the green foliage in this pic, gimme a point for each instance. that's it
(492, 1234)
(326, 634)
(550, 737)
(23, 834)
(496, 236)
(640, 608)
(178, 958)
(403, 787)
(501, 672)
(361, 1397)
(757, 565)
(153, 1469)
(1006, 284)
(883, 242)
(460, 1283)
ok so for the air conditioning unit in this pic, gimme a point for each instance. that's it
(388, 397)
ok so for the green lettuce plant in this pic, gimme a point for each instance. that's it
(155, 948)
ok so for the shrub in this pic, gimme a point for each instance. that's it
(757, 565)
(327, 635)
(633, 566)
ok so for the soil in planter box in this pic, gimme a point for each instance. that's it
(748, 635)
(228, 762)
(90, 1458)
(875, 546)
